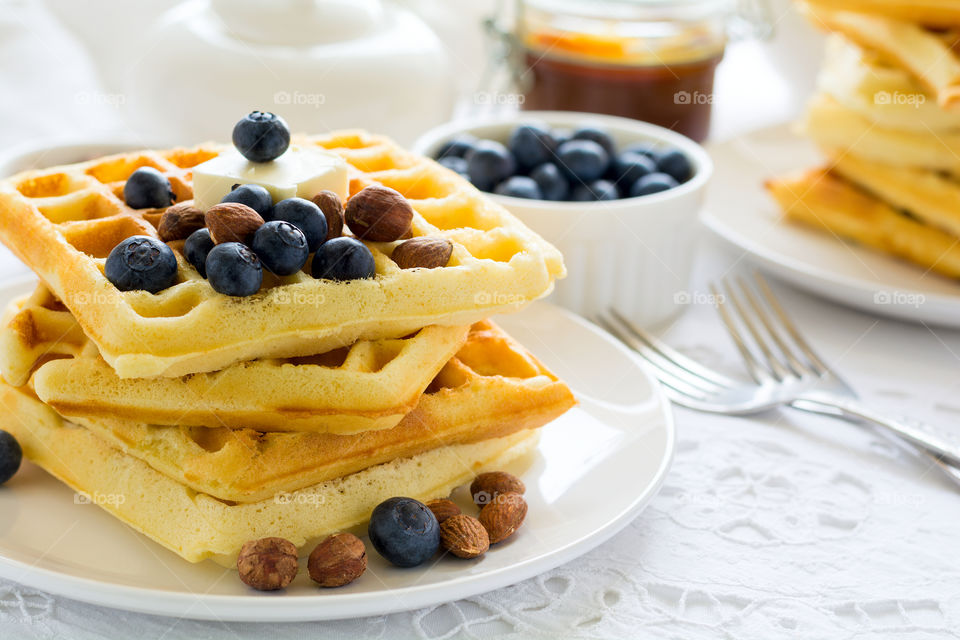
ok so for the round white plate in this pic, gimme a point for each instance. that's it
(596, 468)
(739, 210)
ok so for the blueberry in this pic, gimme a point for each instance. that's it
(583, 160)
(457, 147)
(652, 183)
(553, 185)
(455, 163)
(532, 145)
(147, 188)
(261, 136)
(234, 270)
(489, 163)
(304, 215)
(404, 531)
(11, 455)
(644, 149)
(596, 190)
(343, 259)
(195, 249)
(141, 262)
(254, 196)
(519, 187)
(630, 166)
(676, 165)
(281, 247)
(595, 134)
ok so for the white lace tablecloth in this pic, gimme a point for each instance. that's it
(787, 525)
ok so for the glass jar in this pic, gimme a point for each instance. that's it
(651, 60)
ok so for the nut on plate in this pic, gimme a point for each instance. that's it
(267, 564)
(502, 517)
(464, 536)
(332, 209)
(232, 222)
(424, 251)
(443, 509)
(179, 221)
(487, 486)
(378, 214)
(338, 560)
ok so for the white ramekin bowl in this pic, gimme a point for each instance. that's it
(633, 254)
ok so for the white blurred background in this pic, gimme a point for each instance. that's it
(166, 72)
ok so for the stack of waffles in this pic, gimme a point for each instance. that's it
(887, 117)
(292, 412)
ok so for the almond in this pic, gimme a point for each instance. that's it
(424, 251)
(464, 536)
(487, 486)
(332, 209)
(232, 222)
(179, 221)
(338, 560)
(378, 214)
(443, 509)
(502, 517)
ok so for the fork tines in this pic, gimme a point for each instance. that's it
(782, 350)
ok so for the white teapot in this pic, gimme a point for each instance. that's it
(321, 64)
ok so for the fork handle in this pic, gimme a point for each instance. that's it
(951, 472)
(919, 436)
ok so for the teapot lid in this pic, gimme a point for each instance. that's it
(299, 22)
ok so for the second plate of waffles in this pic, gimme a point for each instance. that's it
(865, 210)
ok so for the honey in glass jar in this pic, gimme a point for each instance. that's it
(651, 60)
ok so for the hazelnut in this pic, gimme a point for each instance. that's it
(464, 536)
(232, 222)
(487, 486)
(443, 509)
(338, 560)
(179, 221)
(332, 209)
(379, 214)
(268, 564)
(503, 516)
(424, 251)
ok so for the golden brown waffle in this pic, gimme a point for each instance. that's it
(819, 199)
(929, 56)
(836, 127)
(198, 526)
(62, 222)
(885, 94)
(930, 197)
(491, 388)
(369, 385)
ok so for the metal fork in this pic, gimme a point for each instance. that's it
(791, 372)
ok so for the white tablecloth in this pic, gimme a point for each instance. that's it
(786, 525)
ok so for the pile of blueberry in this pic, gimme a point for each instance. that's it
(293, 229)
(581, 165)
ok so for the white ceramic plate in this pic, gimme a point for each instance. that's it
(739, 211)
(595, 470)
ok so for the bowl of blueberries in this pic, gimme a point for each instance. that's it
(618, 197)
